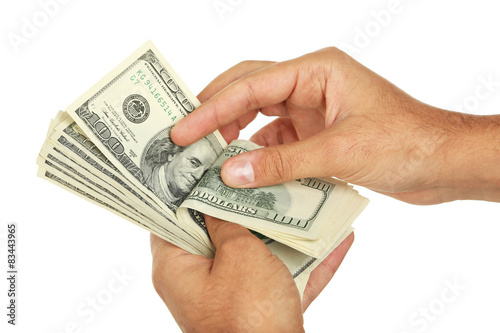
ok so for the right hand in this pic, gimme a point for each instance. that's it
(336, 118)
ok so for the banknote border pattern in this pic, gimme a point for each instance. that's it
(309, 221)
(304, 267)
(150, 58)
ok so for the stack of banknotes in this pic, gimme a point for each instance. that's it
(112, 147)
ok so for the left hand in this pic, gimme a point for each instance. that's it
(245, 288)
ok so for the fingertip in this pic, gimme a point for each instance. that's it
(261, 167)
(193, 127)
(210, 221)
(348, 241)
(177, 134)
(335, 258)
(238, 172)
(217, 226)
(222, 232)
(213, 224)
(184, 133)
(206, 94)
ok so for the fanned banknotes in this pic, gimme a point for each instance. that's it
(112, 146)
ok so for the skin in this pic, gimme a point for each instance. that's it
(245, 288)
(186, 168)
(335, 118)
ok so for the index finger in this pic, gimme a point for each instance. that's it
(232, 74)
(269, 86)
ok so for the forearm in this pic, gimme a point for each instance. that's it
(473, 159)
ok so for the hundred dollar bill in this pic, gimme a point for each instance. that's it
(301, 213)
(128, 115)
(81, 160)
(70, 172)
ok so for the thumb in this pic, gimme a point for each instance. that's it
(312, 157)
(234, 244)
(222, 232)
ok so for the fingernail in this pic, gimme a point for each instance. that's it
(240, 173)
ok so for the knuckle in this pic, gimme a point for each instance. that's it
(251, 98)
(336, 57)
(215, 113)
(335, 52)
(277, 166)
(332, 50)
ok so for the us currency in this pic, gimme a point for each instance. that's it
(84, 163)
(307, 214)
(128, 116)
(64, 175)
(55, 167)
(113, 147)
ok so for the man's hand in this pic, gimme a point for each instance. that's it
(245, 288)
(337, 118)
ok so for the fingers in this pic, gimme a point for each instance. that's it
(232, 74)
(232, 130)
(281, 163)
(248, 93)
(278, 132)
(322, 274)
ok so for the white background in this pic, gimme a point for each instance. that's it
(437, 51)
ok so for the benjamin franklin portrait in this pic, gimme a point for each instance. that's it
(172, 171)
